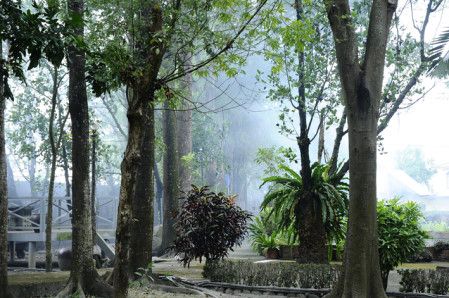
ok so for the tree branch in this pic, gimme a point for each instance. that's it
(228, 45)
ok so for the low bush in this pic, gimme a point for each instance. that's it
(282, 274)
(424, 281)
(208, 226)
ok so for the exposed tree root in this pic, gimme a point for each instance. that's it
(97, 288)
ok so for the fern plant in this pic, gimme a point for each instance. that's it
(330, 194)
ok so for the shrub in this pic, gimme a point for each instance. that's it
(265, 232)
(208, 225)
(282, 274)
(400, 235)
(424, 281)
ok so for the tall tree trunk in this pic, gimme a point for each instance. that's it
(65, 159)
(51, 185)
(140, 112)
(141, 245)
(84, 278)
(171, 187)
(4, 290)
(135, 223)
(321, 147)
(312, 234)
(159, 192)
(362, 88)
(93, 191)
(32, 173)
(184, 132)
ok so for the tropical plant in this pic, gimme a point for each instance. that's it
(265, 232)
(330, 193)
(208, 225)
(400, 234)
(439, 54)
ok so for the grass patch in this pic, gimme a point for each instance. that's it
(27, 278)
(64, 236)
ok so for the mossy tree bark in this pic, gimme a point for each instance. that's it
(84, 278)
(362, 89)
(141, 246)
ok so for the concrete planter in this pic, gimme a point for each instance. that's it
(289, 252)
(272, 253)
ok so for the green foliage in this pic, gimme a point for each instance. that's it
(34, 34)
(400, 234)
(310, 36)
(412, 161)
(424, 281)
(214, 38)
(285, 274)
(331, 198)
(265, 232)
(272, 157)
(208, 225)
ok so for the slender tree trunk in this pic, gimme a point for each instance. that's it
(32, 173)
(312, 234)
(184, 132)
(171, 187)
(321, 148)
(68, 186)
(362, 88)
(4, 290)
(65, 159)
(339, 134)
(159, 192)
(93, 190)
(51, 185)
(84, 278)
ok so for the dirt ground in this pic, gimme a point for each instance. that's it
(171, 267)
